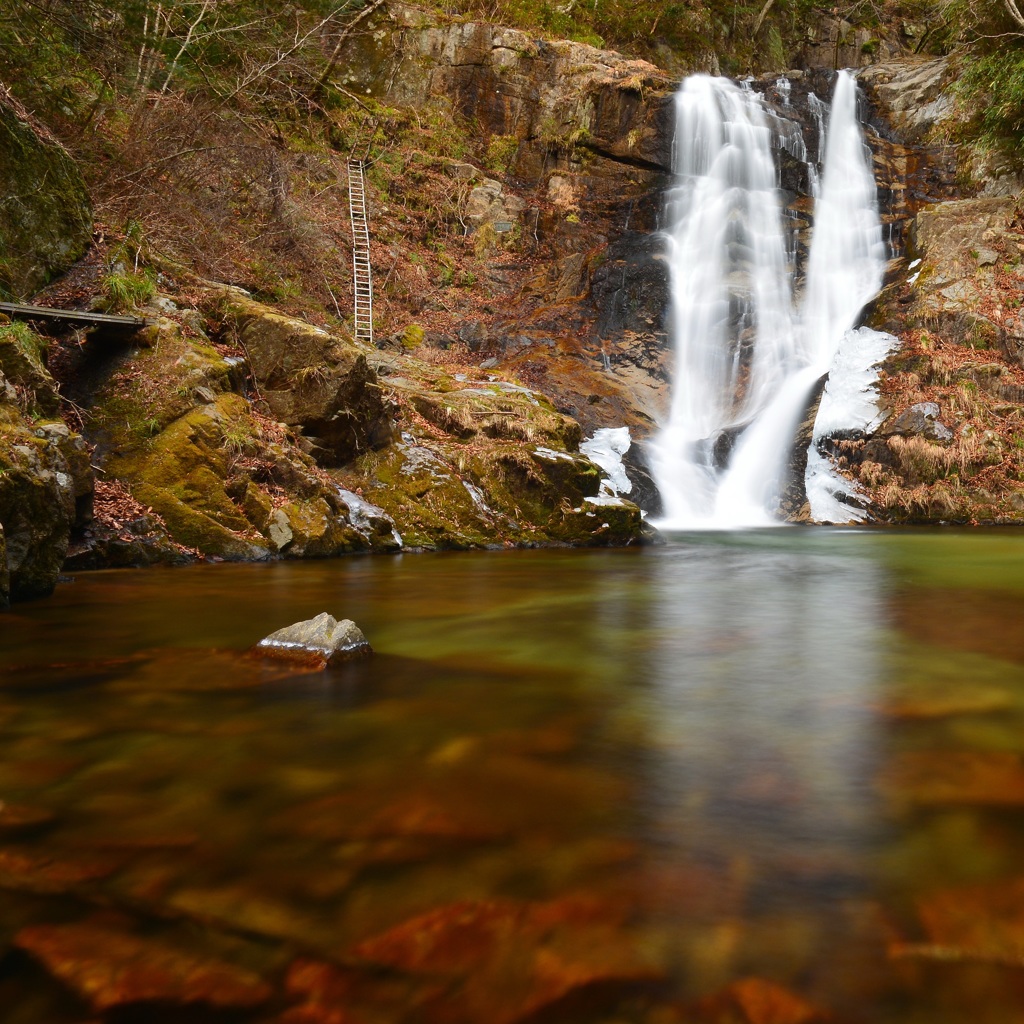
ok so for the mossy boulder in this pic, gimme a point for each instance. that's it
(180, 474)
(491, 493)
(37, 510)
(312, 379)
(45, 214)
(149, 387)
(22, 362)
(226, 489)
(46, 477)
(600, 522)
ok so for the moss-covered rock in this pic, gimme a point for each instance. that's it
(45, 215)
(76, 454)
(600, 522)
(180, 474)
(22, 363)
(488, 463)
(225, 481)
(46, 477)
(311, 379)
(37, 510)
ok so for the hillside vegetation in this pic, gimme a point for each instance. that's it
(212, 132)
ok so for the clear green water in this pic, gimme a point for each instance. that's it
(795, 756)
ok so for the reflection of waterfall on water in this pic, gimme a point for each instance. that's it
(758, 708)
(747, 362)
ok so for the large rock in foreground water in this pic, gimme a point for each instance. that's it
(321, 641)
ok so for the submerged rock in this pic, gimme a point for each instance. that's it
(18, 819)
(110, 967)
(322, 640)
(519, 961)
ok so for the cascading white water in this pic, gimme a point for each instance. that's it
(746, 358)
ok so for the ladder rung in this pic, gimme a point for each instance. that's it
(362, 271)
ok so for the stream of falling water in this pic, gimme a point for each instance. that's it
(751, 355)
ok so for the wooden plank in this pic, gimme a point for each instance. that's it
(21, 311)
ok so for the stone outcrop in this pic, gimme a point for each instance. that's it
(312, 380)
(553, 100)
(971, 251)
(37, 510)
(920, 420)
(46, 479)
(487, 463)
(45, 214)
(913, 94)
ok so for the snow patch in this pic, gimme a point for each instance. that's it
(606, 448)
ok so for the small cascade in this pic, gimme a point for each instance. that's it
(749, 356)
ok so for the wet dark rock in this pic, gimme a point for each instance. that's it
(109, 966)
(921, 419)
(322, 640)
(793, 503)
(723, 444)
(645, 491)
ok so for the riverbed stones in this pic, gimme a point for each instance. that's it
(109, 966)
(21, 819)
(319, 642)
(517, 961)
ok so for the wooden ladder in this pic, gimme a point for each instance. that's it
(362, 274)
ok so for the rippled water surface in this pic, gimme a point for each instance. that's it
(769, 778)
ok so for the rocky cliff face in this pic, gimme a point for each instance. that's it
(586, 139)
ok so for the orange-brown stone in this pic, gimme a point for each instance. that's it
(108, 966)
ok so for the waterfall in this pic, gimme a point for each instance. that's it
(748, 355)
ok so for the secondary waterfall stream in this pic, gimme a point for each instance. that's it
(751, 345)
